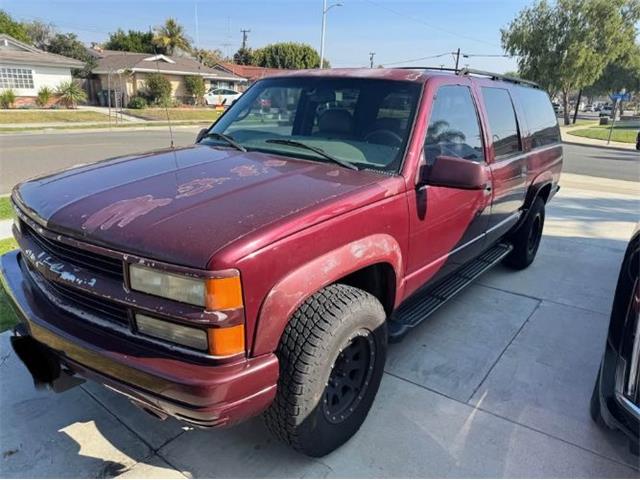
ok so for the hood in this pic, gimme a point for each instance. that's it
(181, 206)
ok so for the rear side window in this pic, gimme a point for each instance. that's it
(502, 121)
(539, 114)
(453, 127)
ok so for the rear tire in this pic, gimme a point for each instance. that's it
(526, 239)
(332, 357)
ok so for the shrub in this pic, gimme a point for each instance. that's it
(7, 98)
(71, 93)
(137, 102)
(158, 87)
(44, 96)
(194, 85)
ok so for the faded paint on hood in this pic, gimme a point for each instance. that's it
(183, 205)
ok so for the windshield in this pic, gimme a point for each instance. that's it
(362, 122)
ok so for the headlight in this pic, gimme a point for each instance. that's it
(211, 293)
(168, 285)
(172, 332)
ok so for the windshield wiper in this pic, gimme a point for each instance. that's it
(227, 139)
(319, 151)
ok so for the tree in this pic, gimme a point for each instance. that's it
(171, 37)
(158, 88)
(624, 73)
(194, 85)
(67, 44)
(71, 93)
(40, 33)
(566, 46)
(208, 58)
(244, 56)
(287, 55)
(12, 28)
(132, 41)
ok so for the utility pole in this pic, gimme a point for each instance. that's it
(371, 55)
(244, 38)
(325, 9)
(457, 54)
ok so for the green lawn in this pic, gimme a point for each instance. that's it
(6, 211)
(51, 116)
(620, 133)
(7, 317)
(207, 114)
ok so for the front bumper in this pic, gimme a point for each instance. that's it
(197, 393)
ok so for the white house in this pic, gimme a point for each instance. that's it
(25, 69)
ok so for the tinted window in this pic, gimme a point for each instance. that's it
(539, 114)
(502, 121)
(453, 127)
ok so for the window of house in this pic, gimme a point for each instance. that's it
(502, 121)
(453, 129)
(16, 78)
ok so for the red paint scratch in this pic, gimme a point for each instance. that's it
(123, 212)
(275, 163)
(246, 170)
(199, 185)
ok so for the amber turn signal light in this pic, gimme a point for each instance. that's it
(224, 293)
(226, 341)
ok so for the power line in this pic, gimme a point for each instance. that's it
(411, 60)
(434, 27)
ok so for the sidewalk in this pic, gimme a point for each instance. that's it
(495, 384)
(105, 111)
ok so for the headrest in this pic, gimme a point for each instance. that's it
(335, 120)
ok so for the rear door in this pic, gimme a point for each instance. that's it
(507, 161)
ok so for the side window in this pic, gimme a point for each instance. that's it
(453, 129)
(502, 121)
(540, 117)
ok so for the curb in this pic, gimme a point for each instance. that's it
(56, 131)
(620, 149)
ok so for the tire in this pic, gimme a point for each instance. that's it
(321, 400)
(526, 239)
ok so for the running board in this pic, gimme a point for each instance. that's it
(421, 305)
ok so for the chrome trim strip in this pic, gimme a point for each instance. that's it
(628, 405)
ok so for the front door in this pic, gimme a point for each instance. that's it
(447, 225)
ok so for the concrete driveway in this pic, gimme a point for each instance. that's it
(496, 384)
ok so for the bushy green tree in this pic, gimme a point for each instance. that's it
(566, 46)
(67, 44)
(244, 56)
(40, 33)
(13, 28)
(287, 55)
(158, 88)
(208, 58)
(132, 41)
(194, 85)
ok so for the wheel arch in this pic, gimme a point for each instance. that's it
(373, 263)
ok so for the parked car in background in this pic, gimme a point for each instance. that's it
(589, 108)
(638, 141)
(264, 269)
(606, 111)
(616, 396)
(557, 108)
(221, 96)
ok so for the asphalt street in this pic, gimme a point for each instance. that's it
(23, 156)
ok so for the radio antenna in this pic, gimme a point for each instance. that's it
(166, 107)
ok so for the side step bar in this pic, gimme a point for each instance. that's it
(422, 304)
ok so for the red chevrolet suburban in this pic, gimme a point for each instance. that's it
(264, 268)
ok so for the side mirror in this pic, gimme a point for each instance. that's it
(454, 172)
(201, 134)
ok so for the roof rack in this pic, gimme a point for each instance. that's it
(482, 73)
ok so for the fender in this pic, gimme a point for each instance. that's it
(293, 289)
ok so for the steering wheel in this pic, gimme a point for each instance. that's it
(382, 136)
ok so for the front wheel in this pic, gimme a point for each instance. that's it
(526, 239)
(332, 357)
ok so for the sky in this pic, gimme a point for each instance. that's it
(400, 32)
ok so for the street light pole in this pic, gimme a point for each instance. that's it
(325, 9)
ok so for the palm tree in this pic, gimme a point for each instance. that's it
(171, 36)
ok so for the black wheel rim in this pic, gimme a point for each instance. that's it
(534, 234)
(349, 378)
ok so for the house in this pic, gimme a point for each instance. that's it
(25, 69)
(125, 73)
(250, 72)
